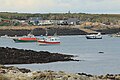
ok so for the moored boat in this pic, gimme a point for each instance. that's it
(5, 36)
(115, 35)
(94, 36)
(28, 38)
(47, 40)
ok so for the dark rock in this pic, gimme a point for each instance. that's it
(40, 31)
(23, 70)
(2, 71)
(110, 31)
(88, 75)
(20, 56)
(101, 52)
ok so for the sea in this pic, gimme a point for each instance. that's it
(97, 56)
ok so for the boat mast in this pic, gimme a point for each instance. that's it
(31, 32)
(46, 32)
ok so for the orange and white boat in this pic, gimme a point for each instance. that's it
(47, 40)
(28, 38)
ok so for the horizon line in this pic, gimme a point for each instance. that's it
(55, 12)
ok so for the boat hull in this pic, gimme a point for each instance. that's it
(93, 37)
(47, 43)
(25, 40)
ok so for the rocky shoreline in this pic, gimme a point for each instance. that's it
(15, 73)
(51, 30)
(21, 56)
(42, 31)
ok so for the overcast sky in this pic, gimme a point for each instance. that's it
(60, 6)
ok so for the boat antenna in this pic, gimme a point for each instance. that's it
(55, 34)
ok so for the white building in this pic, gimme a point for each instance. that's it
(45, 22)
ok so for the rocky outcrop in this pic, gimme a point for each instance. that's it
(109, 31)
(20, 56)
(41, 31)
(15, 73)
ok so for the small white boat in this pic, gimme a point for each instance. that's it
(94, 36)
(115, 35)
(5, 36)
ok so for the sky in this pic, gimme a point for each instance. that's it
(61, 6)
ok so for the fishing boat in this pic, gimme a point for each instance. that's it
(94, 36)
(47, 40)
(28, 38)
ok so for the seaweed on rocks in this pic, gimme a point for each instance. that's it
(40, 31)
(21, 56)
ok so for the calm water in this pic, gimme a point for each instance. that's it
(86, 50)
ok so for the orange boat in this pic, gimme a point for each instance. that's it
(28, 38)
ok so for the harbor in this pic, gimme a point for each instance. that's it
(59, 40)
(86, 50)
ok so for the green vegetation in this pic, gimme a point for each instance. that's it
(7, 18)
(4, 24)
(59, 16)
